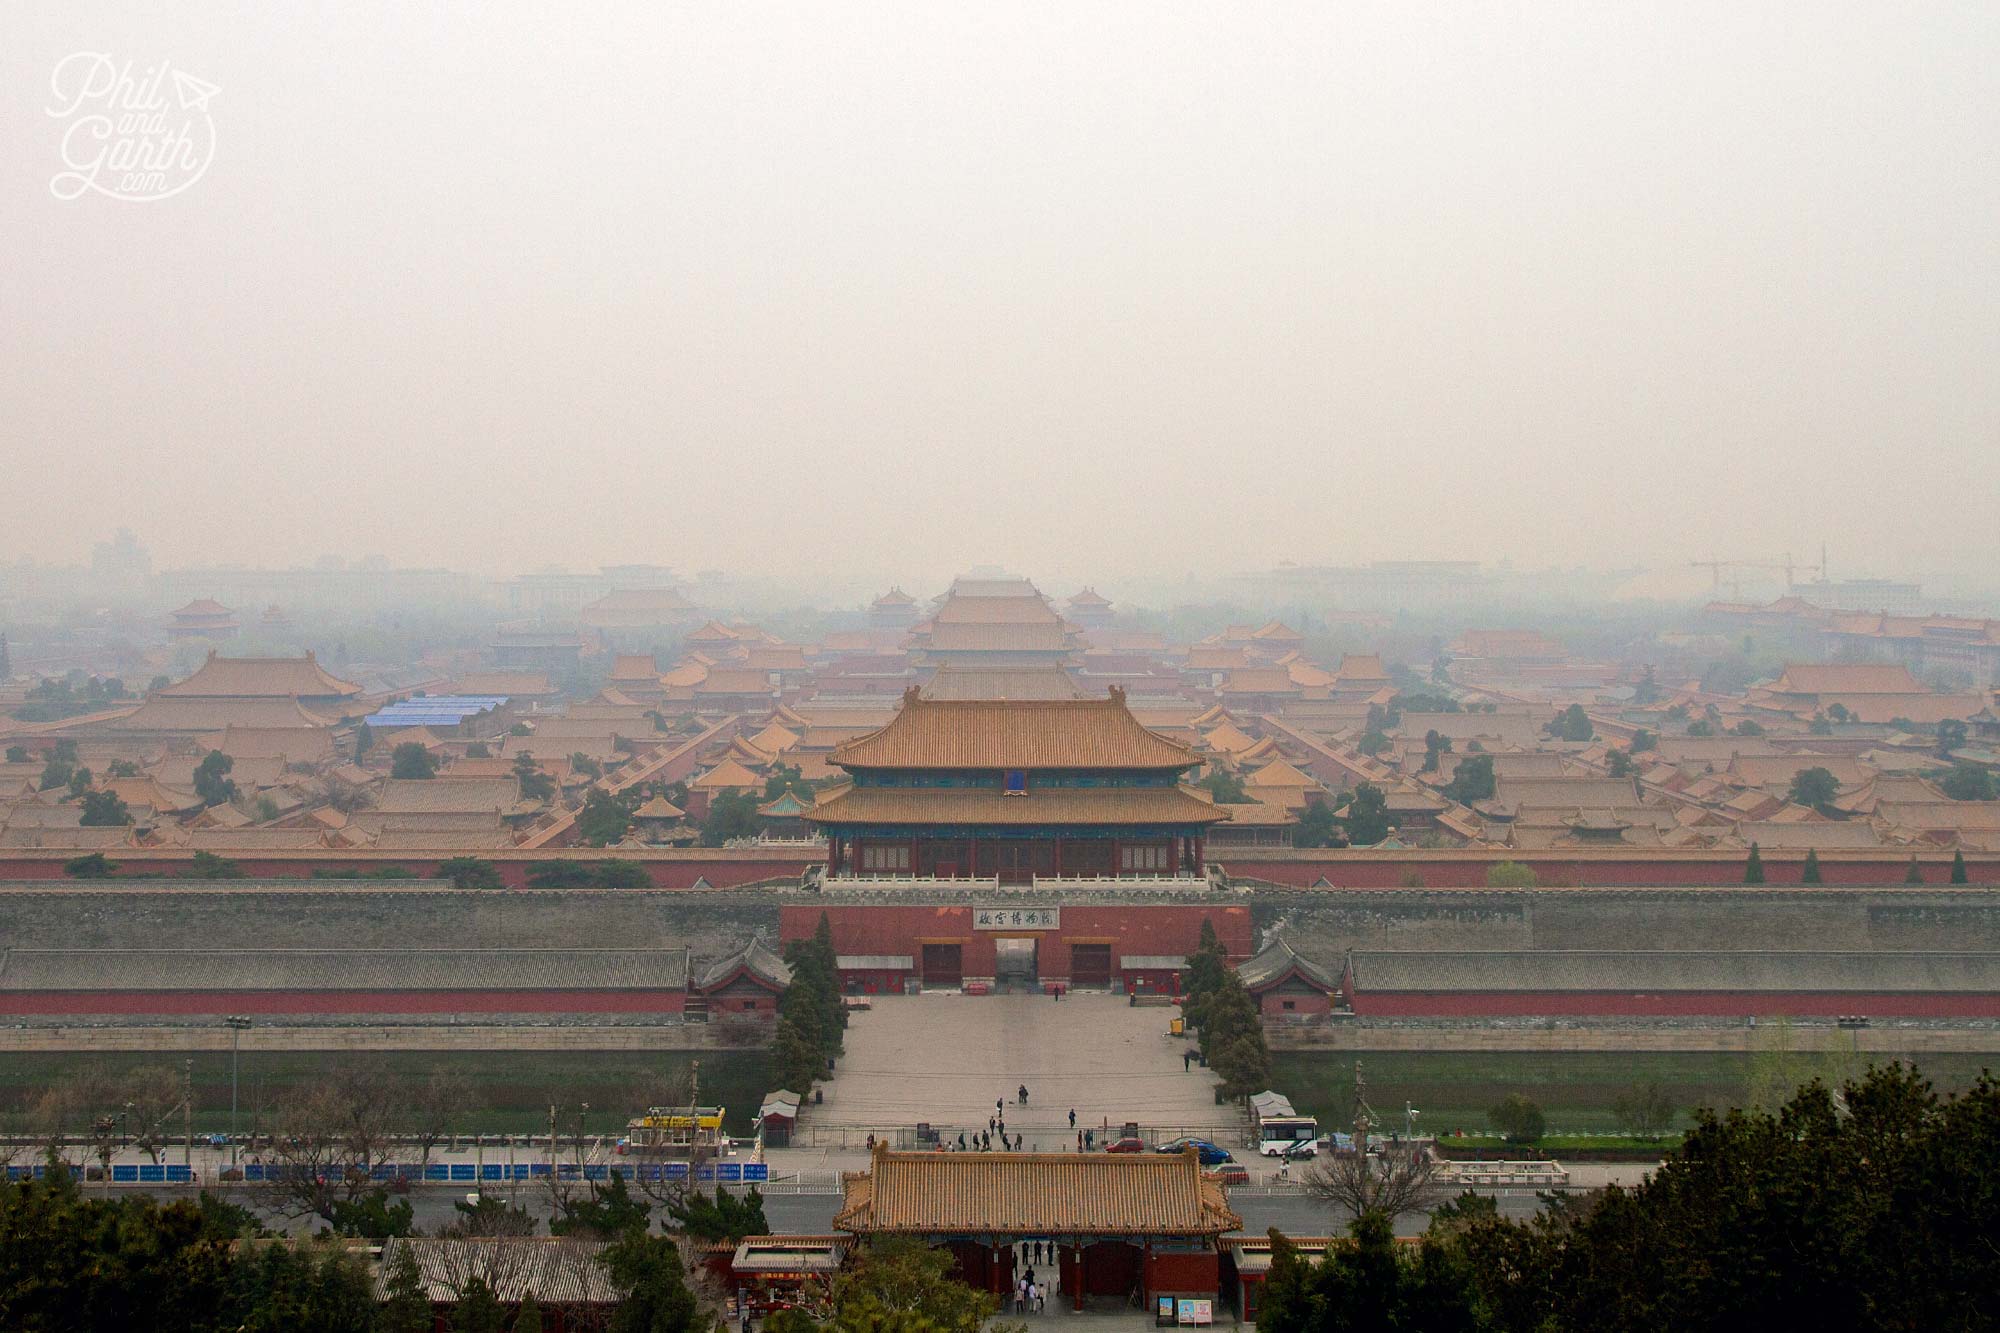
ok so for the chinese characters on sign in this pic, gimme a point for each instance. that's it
(1016, 918)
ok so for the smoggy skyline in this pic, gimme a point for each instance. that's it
(909, 288)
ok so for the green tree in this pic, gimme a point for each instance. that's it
(605, 818)
(905, 1286)
(535, 784)
(1619, 764)
(606, 1212)
(1473, 780)
(1815, 787)
(1753, 868)
(478, 750)
(1372, 744)
(406, 1309)
(364, 741)
(1968, 782)
(17, 754)
(1839, 714)
(1951, 735)
(1436, 744)
(1747, 728)
(721, 1217)
(620, 875)
(527, 1315)
(207, 865)
(1958, 867)
(1224, 787)
(1510, 875)
(579, 762)
(104, 809)
(211, 778)
(1915, 873)
(470, 872)
(412, 760)
(1572, 724)
(1366, 816)
(1644, 1110)
(1316, 827)
(91, 865)
(731, 815)
(1643, 740)
(1819, 726)
(6, 660)
(1521, 1121)
(478, 1309)
(79, 781)
(372, 1216)
(653, 1292)
(560, 874)
(1810, 873)
(56, 773)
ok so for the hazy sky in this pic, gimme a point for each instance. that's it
(1110, 287)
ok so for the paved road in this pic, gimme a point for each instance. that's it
(943, 1059)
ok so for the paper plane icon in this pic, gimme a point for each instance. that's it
(194, 93)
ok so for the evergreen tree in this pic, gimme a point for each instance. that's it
(527, 1315)
(1753, 869)
(1810, 874)
(1915, 874)
(6, 660)
(478, 1309)
(1958, 867)
(211, 778)
(411, 760)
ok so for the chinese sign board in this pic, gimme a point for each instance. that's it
(1016, 918)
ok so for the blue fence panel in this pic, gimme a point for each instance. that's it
(492, 1171)
(596, 1172)
(382, 1171)
(122, 1174)
(757, 1171)
(729, 1171)
(254, 1171)
(153, 1174)
(178, 1173)
(706, 1173)
(568, 1171)
(463, 1171)
(537, 1170)
(675, 1170)
(437, 1171)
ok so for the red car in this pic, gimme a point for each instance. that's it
(1129, 1143)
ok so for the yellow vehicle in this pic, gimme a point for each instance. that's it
(676, 1131)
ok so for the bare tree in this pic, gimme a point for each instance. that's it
(327, 1139)
(436, 1105)
(151, 1094)
(1401, 1180)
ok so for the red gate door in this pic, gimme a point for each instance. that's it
(944, 964)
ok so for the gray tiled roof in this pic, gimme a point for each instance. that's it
(760, 960)
(1272, 963)
(342, 969)
(1648, 970)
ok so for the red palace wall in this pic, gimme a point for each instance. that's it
(1183, 1273)
(1713, 1004)
(1273, 1004)
(1129, 928)
(345, 1002)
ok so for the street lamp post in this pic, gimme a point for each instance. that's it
(237, 1025)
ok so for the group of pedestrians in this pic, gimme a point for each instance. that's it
(1031, 1295)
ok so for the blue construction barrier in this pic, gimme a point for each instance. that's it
(492, 1171)
(149, 1175)
(462, 1172)
(122, 1175)
(538, 1169)
(757, 1171)
(178, 1174)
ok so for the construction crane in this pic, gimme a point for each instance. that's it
(1720, 570)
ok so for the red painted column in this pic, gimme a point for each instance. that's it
(1059, 845)
(1077, 1295)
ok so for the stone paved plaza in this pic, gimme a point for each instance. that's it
(943, 1058)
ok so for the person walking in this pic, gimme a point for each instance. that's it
(1187, 1061)
(1079, 1140)
(1072, 1117)
(1024, 1094)
(961, 1140)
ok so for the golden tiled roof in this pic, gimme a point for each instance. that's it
(1143, 1194)
(1057, 805)
(1004, 734)
(1047, 637)
(268, 677)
